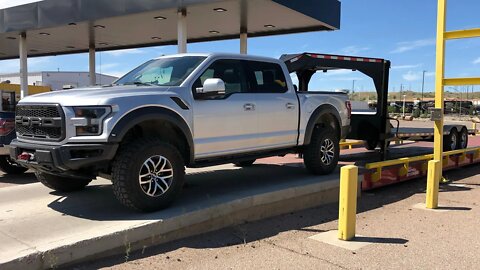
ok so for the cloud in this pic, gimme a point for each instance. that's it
(477, 61)
(412, 76)
(124, 52)
(406, 66)
(351, 50)
(34, 64)
(412, 45)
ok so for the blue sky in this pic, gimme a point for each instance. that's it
(401, 31)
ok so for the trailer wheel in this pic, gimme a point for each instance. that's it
(463, 140)
(451, 141)
(321, 155)
(371, 144)
(8, 166)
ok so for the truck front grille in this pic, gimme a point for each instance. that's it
(42, 122)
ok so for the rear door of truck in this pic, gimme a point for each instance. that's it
(277, 105)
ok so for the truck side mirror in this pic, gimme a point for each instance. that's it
(212, 86)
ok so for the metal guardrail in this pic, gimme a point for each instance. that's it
(404, 163)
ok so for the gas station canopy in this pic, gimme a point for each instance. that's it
(55, 27)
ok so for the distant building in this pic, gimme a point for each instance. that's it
(56, 80)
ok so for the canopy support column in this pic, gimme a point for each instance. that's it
(91, 65)
(182, 30)
(243, 41)
(23, 47)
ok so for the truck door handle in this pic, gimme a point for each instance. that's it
(249, 107)
(290, 106)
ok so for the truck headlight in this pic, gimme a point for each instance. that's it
(88, 121)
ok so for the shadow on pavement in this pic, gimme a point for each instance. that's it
(18, 179)
(380, 240)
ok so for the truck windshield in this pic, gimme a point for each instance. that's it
(165, 71)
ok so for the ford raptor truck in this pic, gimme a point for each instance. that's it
(187, 110)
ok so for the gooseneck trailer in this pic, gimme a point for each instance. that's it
(372, 127)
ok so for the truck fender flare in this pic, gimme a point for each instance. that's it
(140, 115)
(317, 116)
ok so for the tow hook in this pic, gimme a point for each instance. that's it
(25, 156)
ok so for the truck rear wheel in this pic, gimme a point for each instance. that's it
(147, 174)
(7, 165)
(321, 155)
(60, 183)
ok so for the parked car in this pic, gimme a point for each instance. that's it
(191, 110)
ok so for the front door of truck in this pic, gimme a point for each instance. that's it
(225, 124)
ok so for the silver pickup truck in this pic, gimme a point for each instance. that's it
(191, 110)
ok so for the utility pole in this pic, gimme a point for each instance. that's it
(423, 88)
(404, 96)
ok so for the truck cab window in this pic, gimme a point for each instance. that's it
(230, 71)
(266, 78)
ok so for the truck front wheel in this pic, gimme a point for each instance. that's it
(321, 155)
(9, 166)
(60, 183)
(147, 174)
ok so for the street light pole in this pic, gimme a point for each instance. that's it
(404, 106)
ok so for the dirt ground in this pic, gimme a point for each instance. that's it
(401, 236)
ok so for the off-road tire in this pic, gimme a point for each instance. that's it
(245, 163)
(312, 155)
(126, 171)
(448, 140)
(8, 166)
(60, 183)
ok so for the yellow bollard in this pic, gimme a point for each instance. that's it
(347, 210)
(433, 179)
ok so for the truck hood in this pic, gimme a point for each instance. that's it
(95, 95)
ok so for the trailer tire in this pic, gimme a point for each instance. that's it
(463, 139)
(321, 155)
(451, 141)
(147, 174)
(371, 144)
(8, 166)
(60, 183)
(245, 163)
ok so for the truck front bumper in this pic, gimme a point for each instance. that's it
(68, 159)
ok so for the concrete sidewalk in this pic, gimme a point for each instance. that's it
(400, 236)
(42, 229)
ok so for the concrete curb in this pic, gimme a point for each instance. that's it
(233, 212)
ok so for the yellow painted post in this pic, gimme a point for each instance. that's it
(439, 88)
(347, 210)
(434, 173)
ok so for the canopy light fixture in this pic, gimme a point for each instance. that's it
(103, 43)
(219, 9)
(156, 38)
(99, 26)
(214, 32)
(269, 26)
(44, 34)
(160, 18)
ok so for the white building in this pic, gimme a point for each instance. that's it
(58, 79)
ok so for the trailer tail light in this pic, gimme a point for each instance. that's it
(349, 108)
(6, 126)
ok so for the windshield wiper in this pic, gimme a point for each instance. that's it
(138, 83)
